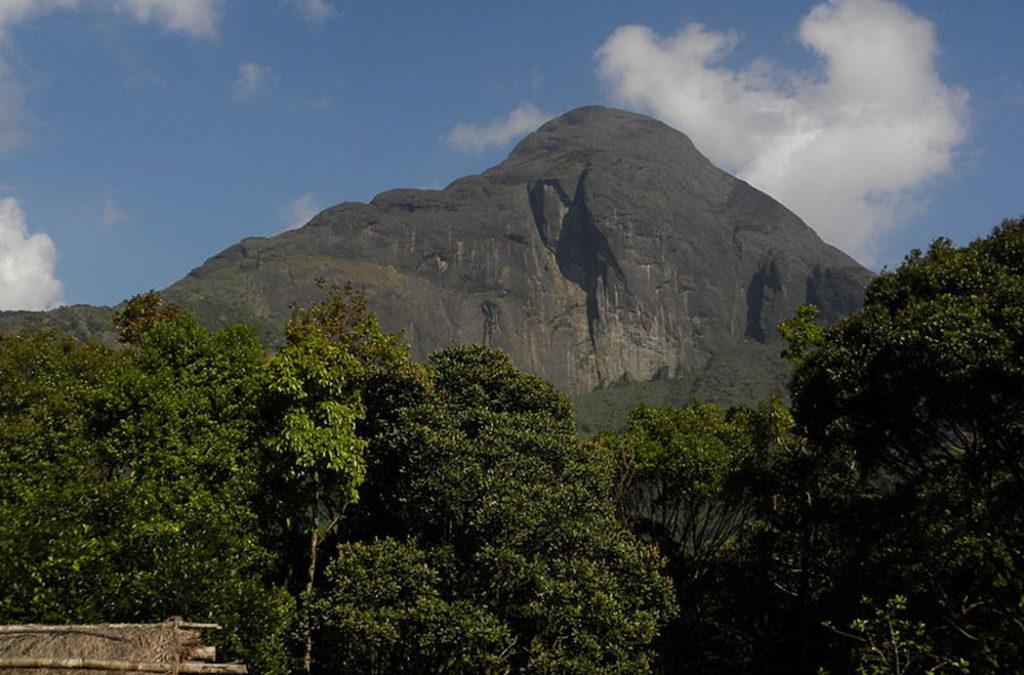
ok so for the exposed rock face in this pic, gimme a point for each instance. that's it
(604, 249)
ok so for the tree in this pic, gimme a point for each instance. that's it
(694, 481)
(312, 405)
(128, 481)
(140, 313)
(387, 610)
(890, 644)
(687, 477)
(188, 473)
(484, 481)
(922, 396)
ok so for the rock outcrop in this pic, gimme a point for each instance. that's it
(604, 249)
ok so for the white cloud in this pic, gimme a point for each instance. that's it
(252, 80)
(316, 11)
(299, 211)
(195, 17)
(845, 151)
(16, 11)
(498, 132)
(27, 263)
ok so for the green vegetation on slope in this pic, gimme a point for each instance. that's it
(191, 474)
(339, 508)
(741, 375)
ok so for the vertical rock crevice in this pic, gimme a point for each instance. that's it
(549, 204)
(492, 321)
(761, 293)
(585, 258)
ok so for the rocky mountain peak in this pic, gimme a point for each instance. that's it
(594, 129)
(604, 249)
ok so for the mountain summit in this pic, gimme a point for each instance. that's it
(604, 249)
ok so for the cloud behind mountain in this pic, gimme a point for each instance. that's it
(844, 146)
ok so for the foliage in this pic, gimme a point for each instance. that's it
(875, 528)
(921, 396)
(139, 314)
(312, 404)
(126, 484)
(485, 473)
(897, 476)
(693, 481)
(801, 334)
(889, 643)
(680, 473)
(191, 474)
(385, 611)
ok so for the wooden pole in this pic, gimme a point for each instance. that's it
(125, 666)
(48, 628)
(95, 631)
(203, 653)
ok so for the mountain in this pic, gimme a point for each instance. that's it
(604, 250)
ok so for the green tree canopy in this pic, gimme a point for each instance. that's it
(127, 484)
(484, 482)
(696, 482)
(189, 473)
(922, 395)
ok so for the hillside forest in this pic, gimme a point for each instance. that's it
(338, 507)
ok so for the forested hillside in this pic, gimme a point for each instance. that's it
(339, 507)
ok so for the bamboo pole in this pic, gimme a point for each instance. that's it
(49, 628)
(203, 653)
(95, 631)
(124, 666)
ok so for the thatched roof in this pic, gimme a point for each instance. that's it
(170, 647)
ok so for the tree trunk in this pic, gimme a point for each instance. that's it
(314, 544)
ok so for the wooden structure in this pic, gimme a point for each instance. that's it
(171, 647)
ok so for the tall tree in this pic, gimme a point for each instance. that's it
(696, 481)
(497, 510)
(922, 395)
(312, 405)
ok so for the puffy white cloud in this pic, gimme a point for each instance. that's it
(299, 211)
(498, 132)
(27, 263)
(252, 80)
(845, 150)
(316, 11)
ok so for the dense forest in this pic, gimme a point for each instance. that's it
(338, 507)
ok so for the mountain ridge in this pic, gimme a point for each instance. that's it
(604, 249)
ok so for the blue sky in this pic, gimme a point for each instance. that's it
(140, 137)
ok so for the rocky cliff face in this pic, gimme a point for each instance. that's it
(604, 249)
